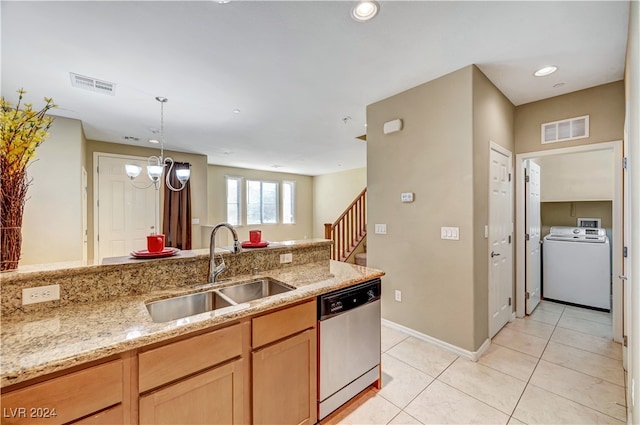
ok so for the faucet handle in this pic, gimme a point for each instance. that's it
(237, 247)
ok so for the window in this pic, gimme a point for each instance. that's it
(233, 200)
(288, 202)
(262, 202)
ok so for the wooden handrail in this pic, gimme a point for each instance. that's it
(349, 229)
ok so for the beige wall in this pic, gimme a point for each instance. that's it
(493, 116)
(567, 213)
(302, 229)
(52, 221)
(604, 104)
(198, 181)
(447, 123)
(582, 176)
(334, 192)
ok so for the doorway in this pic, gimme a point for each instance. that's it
(123, 214)
(616, 264)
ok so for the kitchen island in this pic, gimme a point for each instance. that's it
(55, 342)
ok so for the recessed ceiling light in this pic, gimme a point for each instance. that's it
(236, 111)
(154, 141)
(547, 70)
(223, 1)
(365, 10)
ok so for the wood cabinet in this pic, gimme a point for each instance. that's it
(211, 397)
(199, 380)
(69, 397)
(284, 366)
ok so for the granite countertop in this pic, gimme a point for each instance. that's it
(44, 342)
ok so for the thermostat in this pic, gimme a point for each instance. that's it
(406, 197)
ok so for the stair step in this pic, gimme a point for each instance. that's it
(361, 259)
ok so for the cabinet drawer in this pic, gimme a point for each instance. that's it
(115, 415)
(173, 361)
(274, 326)
(72, 396)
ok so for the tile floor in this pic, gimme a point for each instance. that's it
(557, 366)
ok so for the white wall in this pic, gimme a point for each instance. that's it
(334, 192)
(584, 176)
(52, 223)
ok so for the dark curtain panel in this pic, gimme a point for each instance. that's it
(177, 211)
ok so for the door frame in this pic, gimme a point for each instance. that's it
(96, 184)
(617, 225)
(506, 152)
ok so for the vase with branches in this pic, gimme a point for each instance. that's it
(22, 130)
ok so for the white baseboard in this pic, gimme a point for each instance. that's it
(471, 355)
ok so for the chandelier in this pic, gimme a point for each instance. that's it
(156, 164)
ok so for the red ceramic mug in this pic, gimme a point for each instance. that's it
(155, 243)
(255, 236)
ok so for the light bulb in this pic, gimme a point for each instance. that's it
(154, 171)
(133, 171)
(183, 174)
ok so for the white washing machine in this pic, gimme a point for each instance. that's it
(576, 267)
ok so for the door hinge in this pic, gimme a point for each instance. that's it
(625, 252)
(509, 176)
(526, 296)
(526, 179)
(625, 163)
(624, 340)
(98, 203)
(526, 237)
(97, 169)
(509, 300)
(509, 238)
(98, 238)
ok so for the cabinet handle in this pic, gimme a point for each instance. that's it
(494, 254)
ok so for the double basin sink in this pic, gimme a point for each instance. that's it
(201, 302)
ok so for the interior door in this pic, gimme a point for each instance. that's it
(500, 235)
(125, 213)
(532, 240)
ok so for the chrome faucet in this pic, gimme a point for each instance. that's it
(215, 271)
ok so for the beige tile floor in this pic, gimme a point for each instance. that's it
(557, 366)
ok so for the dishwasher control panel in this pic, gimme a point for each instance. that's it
(343, 300)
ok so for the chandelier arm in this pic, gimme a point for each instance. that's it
(182, 185)
(152, 183)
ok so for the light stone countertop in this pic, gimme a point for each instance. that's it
(40, 343)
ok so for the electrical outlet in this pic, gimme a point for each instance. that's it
(398, 295)
(286, 258)
(40, 294)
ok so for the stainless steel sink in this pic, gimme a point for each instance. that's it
(186, 305)
(254, 290)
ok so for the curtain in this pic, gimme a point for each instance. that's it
(177, 211)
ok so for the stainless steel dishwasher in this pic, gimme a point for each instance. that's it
(348, 344)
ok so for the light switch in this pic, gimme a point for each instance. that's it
(450, 233)
(406, 197)
(381, 229)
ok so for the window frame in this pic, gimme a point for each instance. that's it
(239, 198)
(291, 183)
(277, 201)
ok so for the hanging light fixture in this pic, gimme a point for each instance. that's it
(157, 164)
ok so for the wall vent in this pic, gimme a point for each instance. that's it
(92, 84)
(569, 129)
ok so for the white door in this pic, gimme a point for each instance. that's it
(532, 226)
(125, 214)
(500, 235)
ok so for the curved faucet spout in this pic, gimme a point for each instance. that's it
(216, 270)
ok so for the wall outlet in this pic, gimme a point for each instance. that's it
(398, 295)
(286, 258)
(195, 221)
(40, 294)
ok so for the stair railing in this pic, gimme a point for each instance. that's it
(349, 229)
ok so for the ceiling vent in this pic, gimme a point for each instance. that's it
(92, 84)
(569, 129)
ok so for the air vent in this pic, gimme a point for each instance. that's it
(569, 129)
(92, 84)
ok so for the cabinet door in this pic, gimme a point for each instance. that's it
(284, 381)
(212, 397)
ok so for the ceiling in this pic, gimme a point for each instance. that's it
(300, 73)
